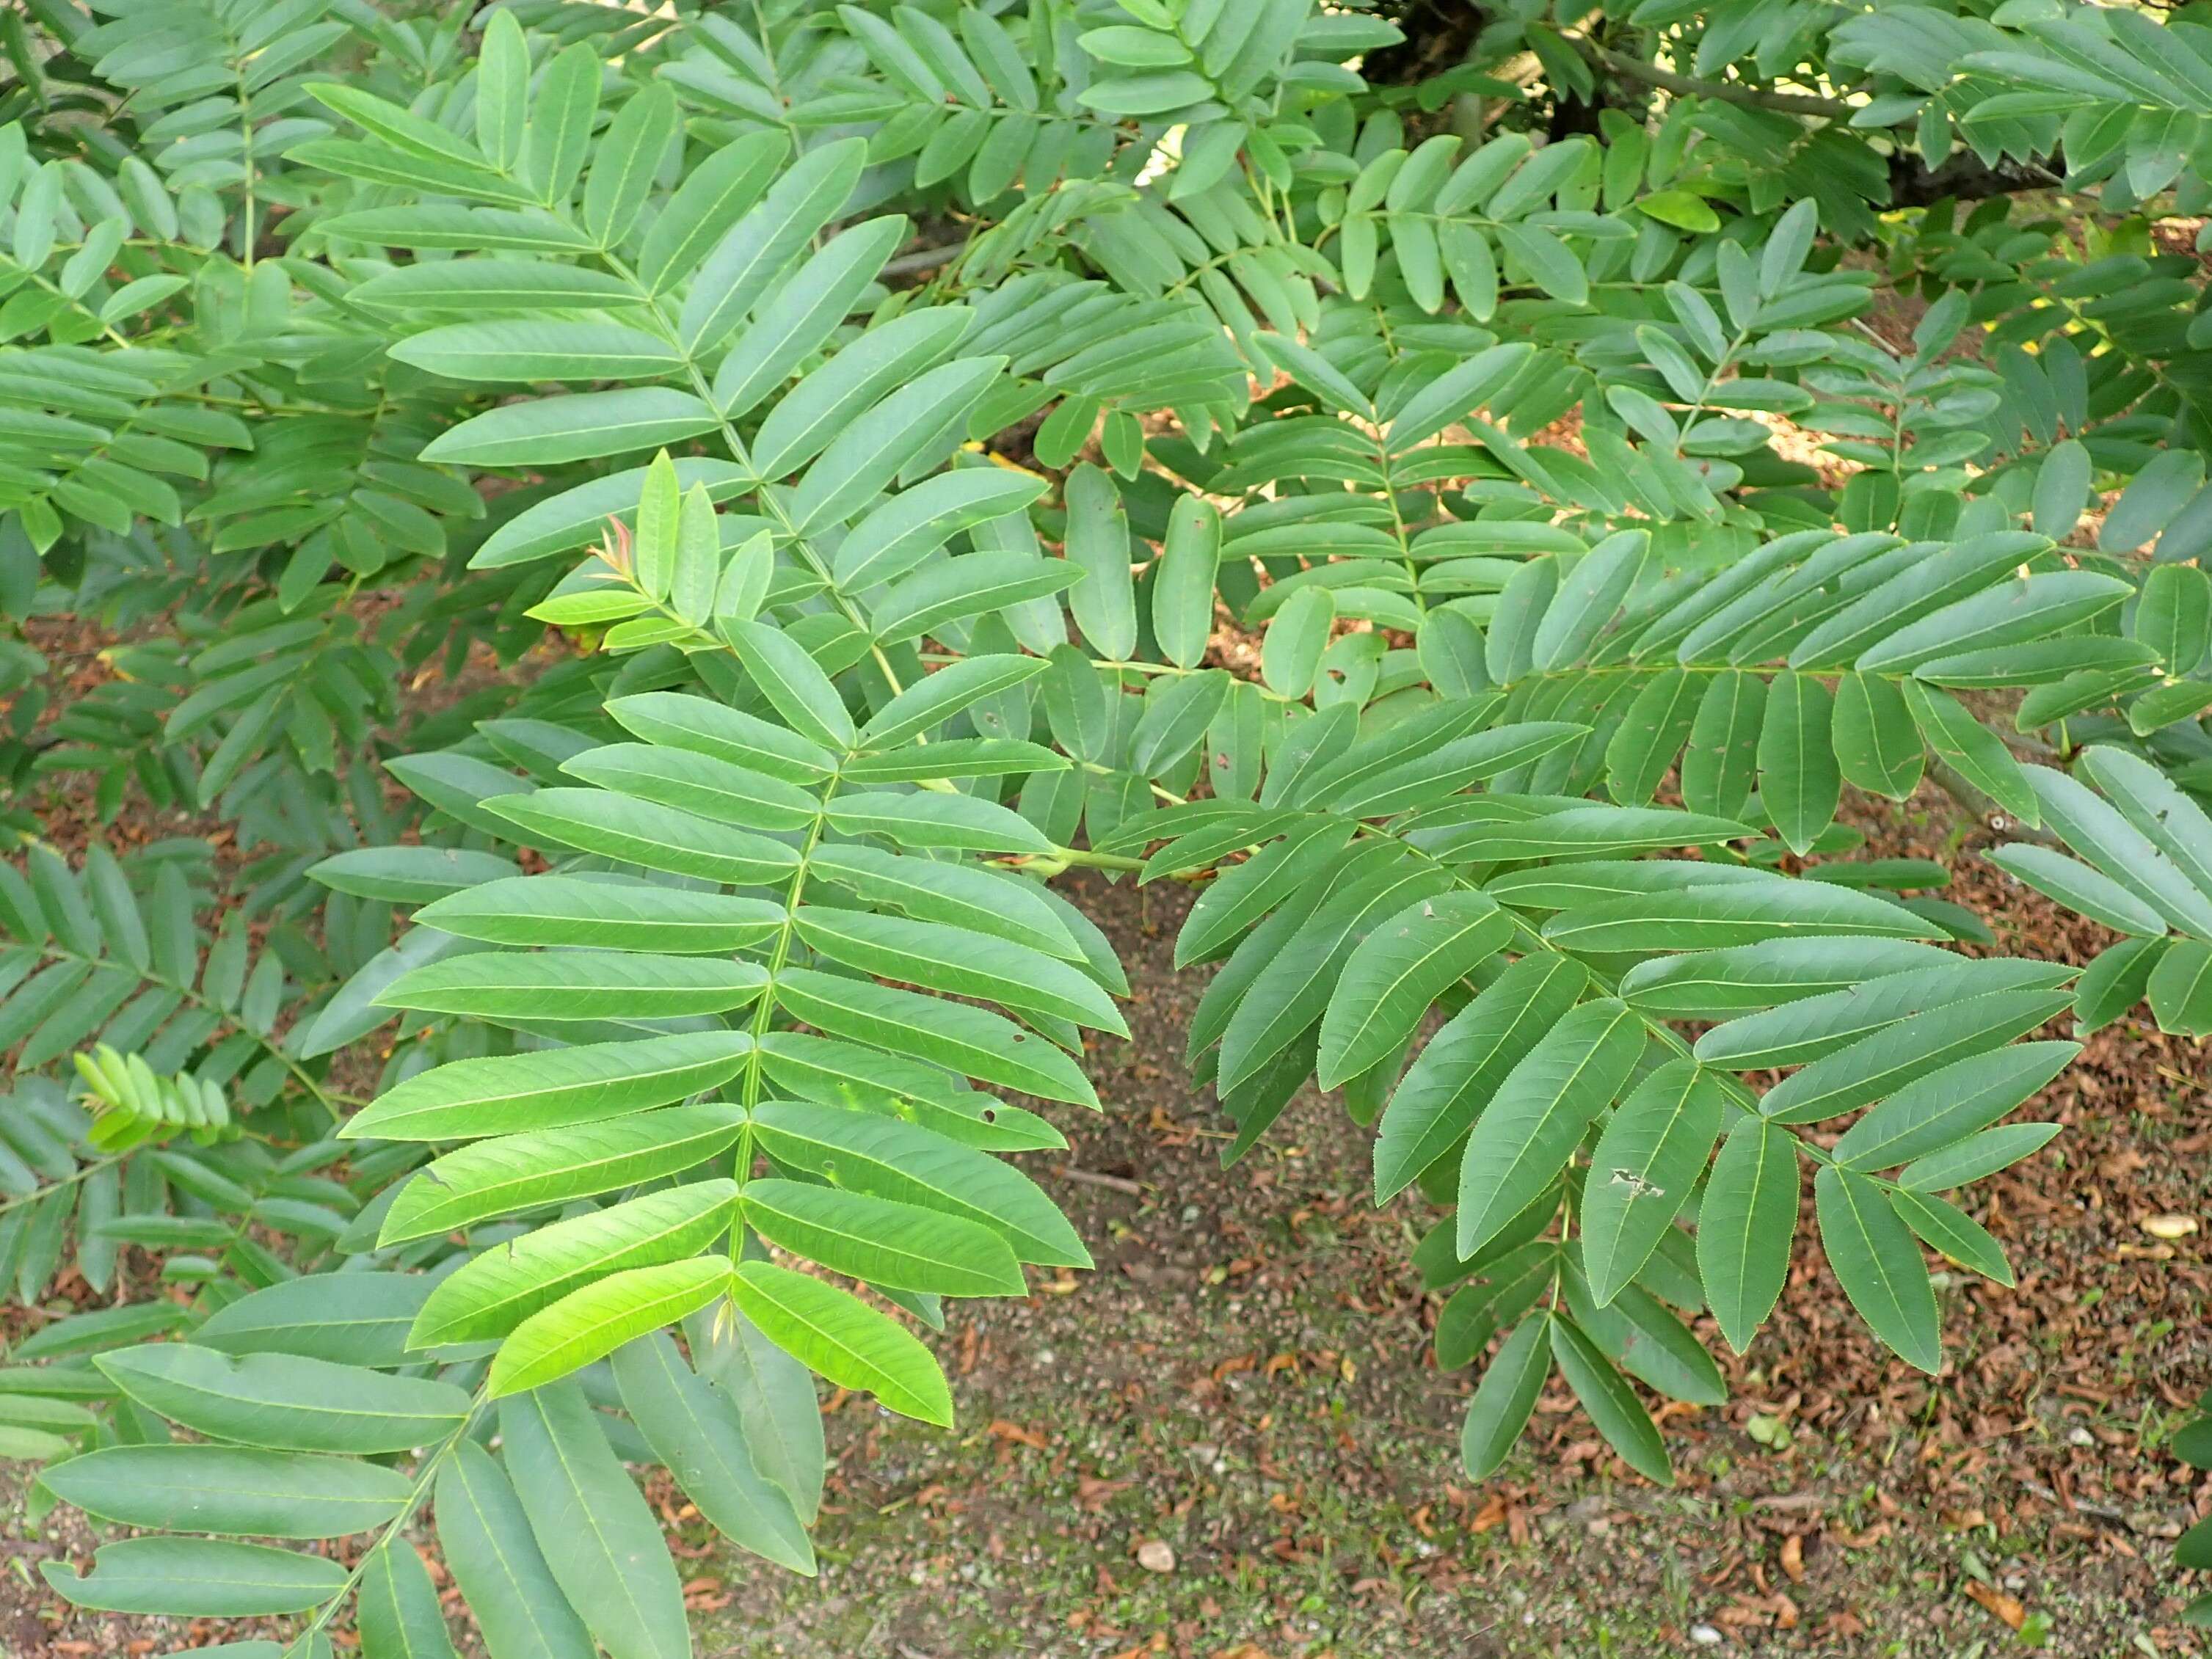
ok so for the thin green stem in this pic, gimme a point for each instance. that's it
(1737, 1092)
(1062, 858)
(81, 1171)
(39, 279)
(1704, 392)
(764, 1013)
(703, 388)
(1398, 522)
(1161, 793)
(939, 658)
(424, 1477)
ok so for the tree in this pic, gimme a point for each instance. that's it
(846, 595)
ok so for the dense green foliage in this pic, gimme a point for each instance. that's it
(1526, 409)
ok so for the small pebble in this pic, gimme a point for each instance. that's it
(1705, 1636)
(1156, 1555)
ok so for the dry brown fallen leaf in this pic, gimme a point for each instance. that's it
(2007, 1608)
